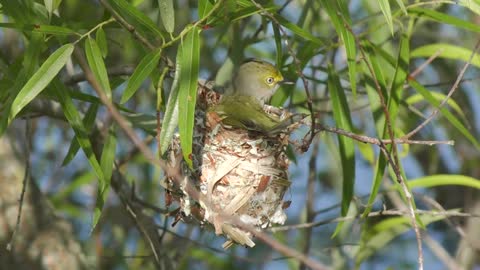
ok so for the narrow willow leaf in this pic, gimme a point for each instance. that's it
(402, 6)
(298, 30)
(170, 119)
(73, 117)
(40, 28)
(204, 7)
(341, 114)
(101, 40)
(85, 178)
(450, 117)
(95, 61)
(138, 19)
(107, 163)
(334, 8)
(278, 43)
(446, 51)
(444, 180)
(381, 234)
(88, 122)
(387, 13)
(142, 71)
(167, 14)
(416, 98)
(187, 92)
(444, 18)
(44, 75)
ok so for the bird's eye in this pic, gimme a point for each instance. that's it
(270, 80)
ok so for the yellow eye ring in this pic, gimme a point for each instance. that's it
(270, 80)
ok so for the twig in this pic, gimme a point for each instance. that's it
(425, 64)
(450, 93)
(26, 177)
(372, 140)
(371, 214)
(116, 71)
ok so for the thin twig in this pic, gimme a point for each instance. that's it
(425, 64)
(372, 140)
(371, 214)
(26, 177)
(450, 93)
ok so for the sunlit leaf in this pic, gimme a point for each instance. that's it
(44, 75)
(444, 180)
(446, 51)
(101, 40)
(444, 18)
(95, 61)
(187, 94)
(341, 114)
(167, 14)
(387, 13)
(142, 71)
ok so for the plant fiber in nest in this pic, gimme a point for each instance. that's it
(239, 176)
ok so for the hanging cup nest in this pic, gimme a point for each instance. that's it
(236, 174)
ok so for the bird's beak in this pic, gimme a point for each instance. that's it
(286, 82)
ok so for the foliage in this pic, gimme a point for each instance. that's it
(380, 68)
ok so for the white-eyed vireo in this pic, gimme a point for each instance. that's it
(242, 105)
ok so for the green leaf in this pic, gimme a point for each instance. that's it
(167, 14)
(334, 8)
(278, 44)
(73, 117)
(446, 51)
(170, 119)
(81, 180)
(402, 6)
(298, 30)
(387, 13)
(379, 235)
(40, 28)
(416, 98)
(444, 18)
(137, 18)
(444, 180)
(95, 61)
(341, 114)
(187, 95)
(101, 40)
(450, 117)
(88, 122)
(107, 163)
(144, 68)
(44, 75)
(204, 7)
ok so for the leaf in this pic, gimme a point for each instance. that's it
(144, 68)
(137, 18)
(450, 117)
(95, 61)
(101, 40)
(88, 122)
(444, 18)
(107, 163)
(402, 6)
(73, 117)
(444, 180)
(387, 13)
(416, 98)
(334, 8)
(341, 114)
(167, 14)
(446, 51)
(298, 30)
(278, 44)
(170, 119)
(379, 235)
(204, 7)
(44, 75)
(40, 28)
(187, 92)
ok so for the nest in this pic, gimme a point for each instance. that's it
(237, 175)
